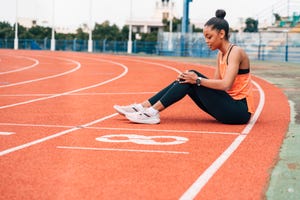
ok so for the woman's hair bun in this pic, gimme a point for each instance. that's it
(220, 13)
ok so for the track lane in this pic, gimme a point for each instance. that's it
(64, 84)
(8, 66)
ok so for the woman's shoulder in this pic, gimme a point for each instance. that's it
(242, 56)
(237, 48)
(239, 51)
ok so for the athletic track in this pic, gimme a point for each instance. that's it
(61, 139)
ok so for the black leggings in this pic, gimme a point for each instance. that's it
(216, 103)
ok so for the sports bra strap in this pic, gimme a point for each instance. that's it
(241, 71)
(229, 53)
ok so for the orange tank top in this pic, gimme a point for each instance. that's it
(241, 87)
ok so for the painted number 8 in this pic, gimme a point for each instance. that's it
(142, 139)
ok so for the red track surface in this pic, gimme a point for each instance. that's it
(61, 139)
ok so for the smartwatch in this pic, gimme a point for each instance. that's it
(198, 81)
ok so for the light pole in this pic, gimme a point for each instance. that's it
(184, 26)
(129, 44)
(16, 41)
(90, 42)
(286, 45)
(170, 44)
(171, 15)
(53, 24)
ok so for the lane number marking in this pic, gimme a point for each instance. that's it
(142, 139)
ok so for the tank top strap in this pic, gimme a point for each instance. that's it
(229, 52)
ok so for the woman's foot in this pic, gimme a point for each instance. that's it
(146, 116)
(133, 108)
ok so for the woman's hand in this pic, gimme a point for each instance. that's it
(187, 77)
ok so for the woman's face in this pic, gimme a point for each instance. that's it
(213, 37)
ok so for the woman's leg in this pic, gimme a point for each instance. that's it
(217, 103)
(220, 105)
(169, 95)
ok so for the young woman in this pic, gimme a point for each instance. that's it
(227, 96)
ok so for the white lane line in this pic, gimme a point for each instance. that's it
(121, 150)
(73, 91)
(78, 65)
(36, 62)
(6, 133)
(169, 131)
(76, 94)
(23, 146)
(124, 129)
(154, 63)
(202, 180)
(36, 125)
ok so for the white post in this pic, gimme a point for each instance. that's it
(170, 42)
(129, 45)
(288, 8)
(90, 42)
(171, 15)
(16, 41)
(53, 24)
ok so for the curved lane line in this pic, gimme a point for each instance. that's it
(72, 91)
(78, 65)
(36, 62)
(202, 180)
(13, 149)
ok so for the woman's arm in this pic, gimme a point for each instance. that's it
(234, 61)
(217, 71)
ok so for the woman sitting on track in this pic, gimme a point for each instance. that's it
(227, 97)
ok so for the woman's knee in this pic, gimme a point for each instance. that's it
(198, 73)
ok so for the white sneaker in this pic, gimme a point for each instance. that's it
(143, 118)
(123, 110)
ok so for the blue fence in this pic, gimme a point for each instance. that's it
(284, 47)
(82, 45)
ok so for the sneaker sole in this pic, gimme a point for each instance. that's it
(143, 121)
(119, 111)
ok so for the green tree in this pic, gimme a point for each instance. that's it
(277, 17)
(251, 25)
(39, 32)
(81, 35)
(105, 31)
(149, 37)
(23, 32)
(197, 30)
(124, 34)
(65, 36)
(175, 23)
(100, 32)
(6, 30)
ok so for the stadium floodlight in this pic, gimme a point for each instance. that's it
(53, 24)
(129, 44)
(16, 41)
(90, 42)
